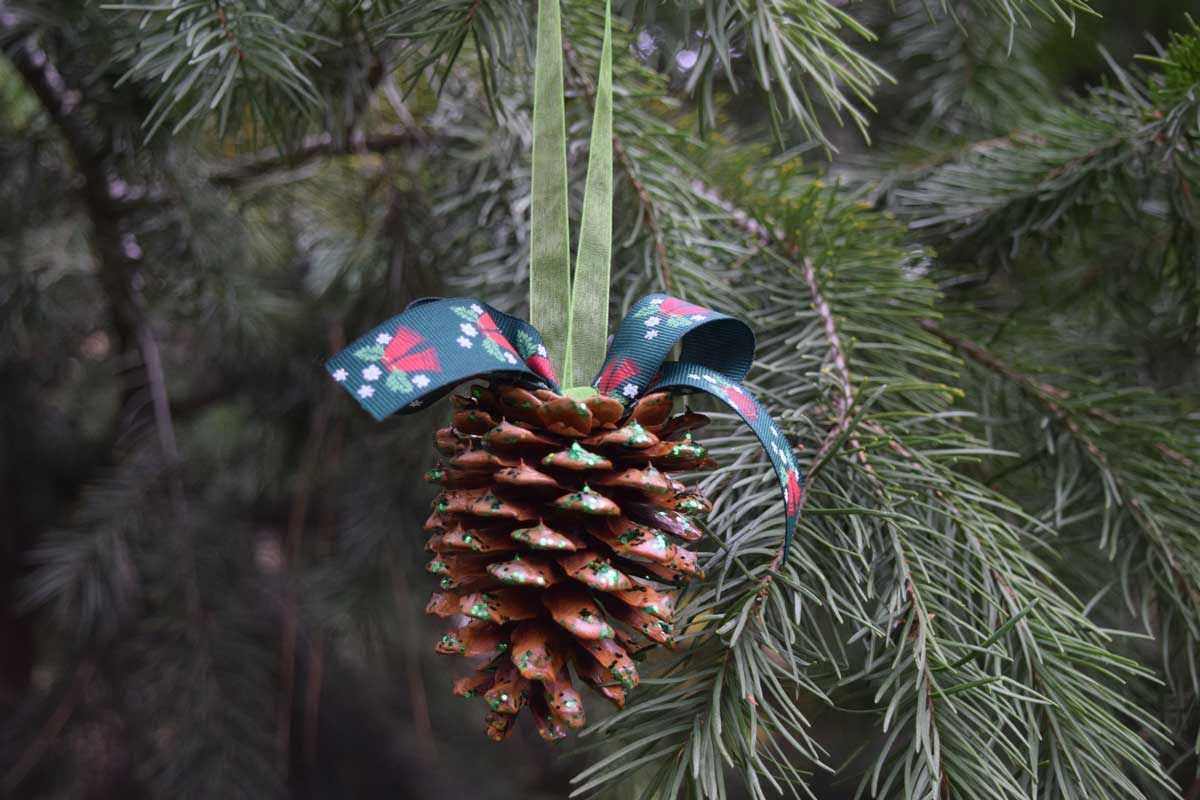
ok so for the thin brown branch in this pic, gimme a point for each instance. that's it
(843, 402)
(417, 692)
(169, 452)
(312, 148)
(312, 701)
(312, 464)
(50, 730)
(116, 252)
(843, 399)
(115, 245)
(1052, 399)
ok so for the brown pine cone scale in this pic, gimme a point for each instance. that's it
(558, 541)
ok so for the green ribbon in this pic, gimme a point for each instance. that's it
(587, 332)
(572, 318)
(550, 248)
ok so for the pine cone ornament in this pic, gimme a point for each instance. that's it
(559, 539)
(559, 533)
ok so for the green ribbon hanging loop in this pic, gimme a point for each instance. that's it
(572, 314)
(550, 248)
(587, 337)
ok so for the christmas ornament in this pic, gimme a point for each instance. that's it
(560, 535)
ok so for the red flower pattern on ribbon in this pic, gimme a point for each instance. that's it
(487, 325)
(741, 401)
(673, 307)
(793, 492)
(541, 365)
(615, 374)
(398, 356)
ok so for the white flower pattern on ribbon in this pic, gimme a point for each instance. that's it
(629, 390)
(697, 317)
(468, 329)
(542, 351)
(478, 309)
(366, 391)
(420, 381)
(340, 375)
(464, 342)
(371, 373)
(652, 321)
(650, 334)
(383, 338)
(510, 358)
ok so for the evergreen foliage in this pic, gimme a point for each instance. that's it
(980, 333)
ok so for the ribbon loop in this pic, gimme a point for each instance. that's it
(435, 344)
(432, 346)
(680, 375)
(711, 340)
(587, 331)
(716, 352)
(549, 237)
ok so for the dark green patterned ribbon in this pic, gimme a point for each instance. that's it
(421, 354)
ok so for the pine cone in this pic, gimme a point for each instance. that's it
(559, 539)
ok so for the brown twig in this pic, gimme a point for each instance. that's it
(312, 699)
(312, 148)
(1047, 395)
(843, 401)
(169, 451)
(417, 693)
(311, 465)
(328, 533)
(117, 252)
(50, 730)
(1052, 398)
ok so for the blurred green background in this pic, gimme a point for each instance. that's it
(295, 517)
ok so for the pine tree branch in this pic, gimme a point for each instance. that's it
(843, 399)
(113, 240)
(118, 255)
(843, 402)
(925, 560)
(758, 231)
(918, 617)
(314, 147)
(92, 156)
(311, 468)
(51, 729)
(1052, 399)
(1062, 168)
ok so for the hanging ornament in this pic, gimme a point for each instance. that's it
(560, 537)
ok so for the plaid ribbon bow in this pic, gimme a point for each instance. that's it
(435, 344)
